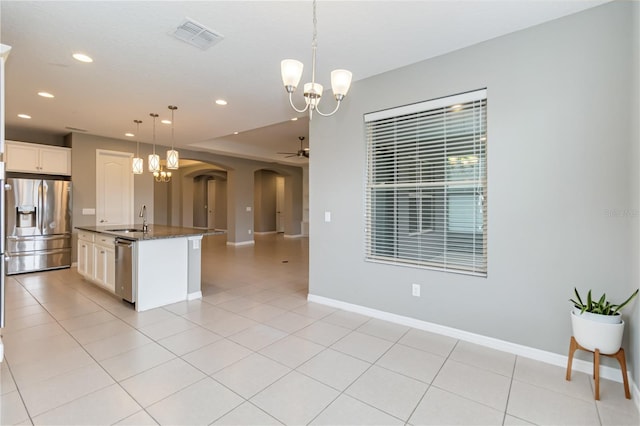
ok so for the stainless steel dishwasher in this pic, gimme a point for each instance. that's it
(124, 270)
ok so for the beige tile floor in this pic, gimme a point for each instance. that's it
(254, 351)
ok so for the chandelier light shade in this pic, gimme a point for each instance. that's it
(291, 71)
(173, 158)
(340, 83)
(154, 159)
(291, 74)
(137, 165)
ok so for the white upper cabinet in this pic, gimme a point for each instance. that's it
(36, 158)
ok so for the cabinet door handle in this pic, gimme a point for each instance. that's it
(101, 251)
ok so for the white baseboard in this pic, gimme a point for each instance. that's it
(194, 295)
(241, 243)
(293, 236)
(606, 372)
(264, 232)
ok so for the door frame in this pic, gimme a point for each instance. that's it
(280, 204)
(211, 203)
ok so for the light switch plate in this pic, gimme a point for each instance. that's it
(88, 212)
(327, 216)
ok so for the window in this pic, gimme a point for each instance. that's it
(426, 188)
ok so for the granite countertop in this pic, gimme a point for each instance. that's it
(155, 232)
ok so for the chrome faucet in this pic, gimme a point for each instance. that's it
(143, 215)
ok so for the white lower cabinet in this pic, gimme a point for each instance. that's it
(85, 254)
(97, 259)
(104, 265)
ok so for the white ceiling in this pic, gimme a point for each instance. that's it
(139, 68)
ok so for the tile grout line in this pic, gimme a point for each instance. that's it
(371, 364)
(31, 418)
(506, 407)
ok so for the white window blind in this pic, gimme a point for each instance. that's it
(426, 186)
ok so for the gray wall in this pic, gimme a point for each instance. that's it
(238, 190)
(161, 197)
(560, 148)
(221, 204)
(23, 134)
(633, 332)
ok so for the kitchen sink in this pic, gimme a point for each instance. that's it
(125, 230)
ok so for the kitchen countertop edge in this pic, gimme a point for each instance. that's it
(156, 232)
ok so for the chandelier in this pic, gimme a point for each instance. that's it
(172, 155)
(137, 164)
(291, 70)
(162, 176)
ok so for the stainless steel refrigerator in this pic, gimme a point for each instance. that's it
(38, 225)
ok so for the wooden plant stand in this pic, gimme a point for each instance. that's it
(596, 365)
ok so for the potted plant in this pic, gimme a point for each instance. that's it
(597, 324)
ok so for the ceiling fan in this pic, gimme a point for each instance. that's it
(302, 152)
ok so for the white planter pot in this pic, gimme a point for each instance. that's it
(594, 335)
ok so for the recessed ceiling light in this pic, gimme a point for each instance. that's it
(235, 133)
(221, 102)
(25, 116)
(294, 119)
(129, 135)
(45, 95)
(82, 57)
(165, 121)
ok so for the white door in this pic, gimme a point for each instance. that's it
(279, 204)
(114, 188)
(211, 204)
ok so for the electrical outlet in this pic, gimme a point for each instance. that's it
(249, 231)
(415, 290)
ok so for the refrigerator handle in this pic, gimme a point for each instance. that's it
(40, 214)
(2, 242)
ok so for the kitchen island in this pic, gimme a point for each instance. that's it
(163, 265)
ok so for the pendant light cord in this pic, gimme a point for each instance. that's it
(154, 132)
(314, 44)
(137, 137)
(172, 108)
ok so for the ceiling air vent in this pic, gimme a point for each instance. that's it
(196, 34)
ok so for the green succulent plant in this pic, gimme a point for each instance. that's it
(601, 306)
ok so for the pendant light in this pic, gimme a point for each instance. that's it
(172, 155)
(154, 159)
(137, 165)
